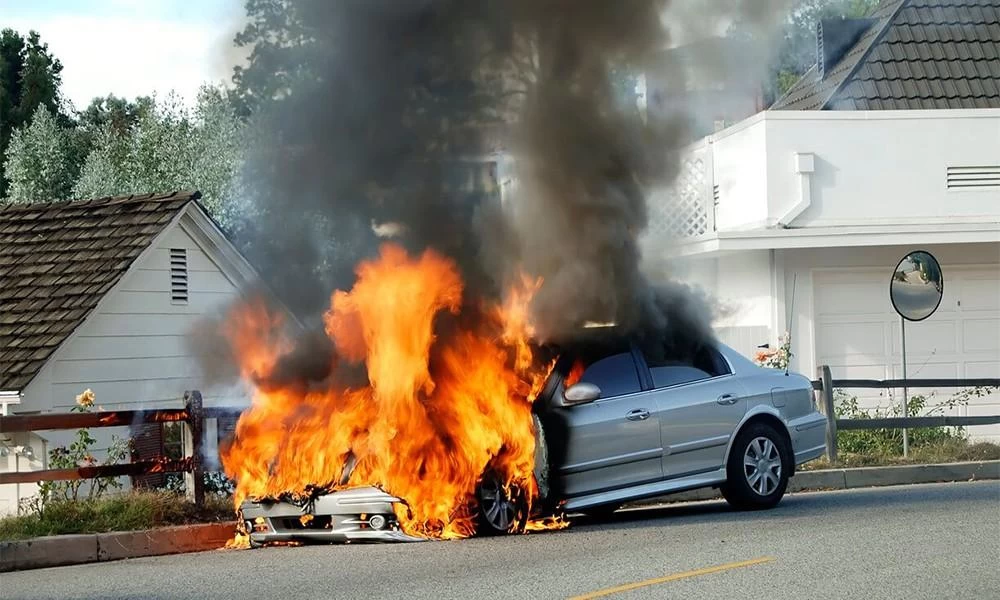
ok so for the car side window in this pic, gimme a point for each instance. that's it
(667, 372)
(616, 375)
(668, 375)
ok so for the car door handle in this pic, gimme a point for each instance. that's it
(639, 414)
(727, 399)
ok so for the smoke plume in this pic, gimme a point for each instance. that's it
(382, 106)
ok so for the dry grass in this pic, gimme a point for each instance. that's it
(125, 512)
(944, 451)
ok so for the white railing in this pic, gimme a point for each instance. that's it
(686, 209)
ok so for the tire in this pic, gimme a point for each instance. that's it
(758, 467)
(499, 511)
(541, 461)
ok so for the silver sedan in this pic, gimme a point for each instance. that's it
(617, 421)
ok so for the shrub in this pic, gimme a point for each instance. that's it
(121, 512)
(888, 442)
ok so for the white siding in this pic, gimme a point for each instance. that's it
(132, 351)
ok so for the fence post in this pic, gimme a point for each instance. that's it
(194, 482)
(826, 393)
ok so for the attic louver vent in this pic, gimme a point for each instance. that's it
(715, 206)
(178, 276)
(974, 178)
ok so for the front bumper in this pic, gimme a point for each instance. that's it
(363, 514)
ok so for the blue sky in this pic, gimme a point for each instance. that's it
(133, 47)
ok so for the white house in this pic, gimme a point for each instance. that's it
(796, 217)
(100, 294)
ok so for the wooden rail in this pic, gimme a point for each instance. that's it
(913, 383)
(120, 418)
(128, 469)
(825, 384)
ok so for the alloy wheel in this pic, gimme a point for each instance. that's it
(498, 509)
(762, 466)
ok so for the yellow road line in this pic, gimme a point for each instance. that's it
(685, 575)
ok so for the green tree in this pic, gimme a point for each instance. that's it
(120, 113)
(283, 52)
(29, 77)
(169, 147)
(39, 163)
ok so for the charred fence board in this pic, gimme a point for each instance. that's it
(118, 418)
(147, 444)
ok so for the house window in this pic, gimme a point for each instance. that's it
(178, 276)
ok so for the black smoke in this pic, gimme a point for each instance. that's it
(394, 99)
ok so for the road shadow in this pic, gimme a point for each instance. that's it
(794, 506)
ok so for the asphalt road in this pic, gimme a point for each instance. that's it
(926, 541)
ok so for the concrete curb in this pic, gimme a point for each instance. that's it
(60, 550)
(859, 477)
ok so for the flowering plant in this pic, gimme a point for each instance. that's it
(80, 453)
(775, 358)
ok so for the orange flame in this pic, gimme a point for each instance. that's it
(575, 374)
(436, 414)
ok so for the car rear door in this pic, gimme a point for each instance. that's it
(613, 442)
(699, 403)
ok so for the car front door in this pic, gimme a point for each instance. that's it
(700, 403)
(614, 441)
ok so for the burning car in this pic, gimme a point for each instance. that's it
(616, 420)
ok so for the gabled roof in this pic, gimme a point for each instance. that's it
(919, 54)
(57, 260)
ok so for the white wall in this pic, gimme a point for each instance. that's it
(879, 167)
(739, 165)
(131, 351)
(741, 286)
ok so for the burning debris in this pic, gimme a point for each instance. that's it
(420, 379)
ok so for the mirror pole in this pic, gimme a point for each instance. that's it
(906, 391)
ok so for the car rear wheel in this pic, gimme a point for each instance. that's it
(500, 509)
(758, 467)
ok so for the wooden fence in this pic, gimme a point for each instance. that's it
(825, 385)
(192, 417)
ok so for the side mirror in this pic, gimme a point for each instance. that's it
(581, 393)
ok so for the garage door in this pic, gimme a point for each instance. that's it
(858, 334)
